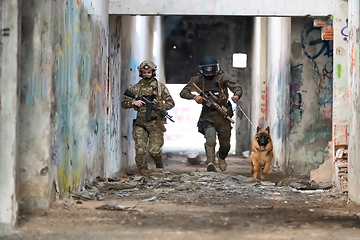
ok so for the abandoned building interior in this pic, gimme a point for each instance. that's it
(64, 66)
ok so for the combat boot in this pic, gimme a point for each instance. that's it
(222, 163)
(210, 158)
(158, 162)
(211, 167)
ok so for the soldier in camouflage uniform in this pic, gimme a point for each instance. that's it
(148, 132)
(212, 78)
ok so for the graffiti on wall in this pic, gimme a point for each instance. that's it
(36, 89)
(345, 31)
(326, 93)
(296, 82)
(311, 93)
(79, 83)
(312, 44)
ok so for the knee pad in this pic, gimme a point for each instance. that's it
(210, 135)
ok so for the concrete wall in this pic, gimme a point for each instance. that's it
(9, 75)
(310, 96)
(64, 100)
(139, 40)
(354, 99)
(277, 86)
(224, 7)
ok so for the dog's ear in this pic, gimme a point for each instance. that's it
(258, 129)
(268, 129)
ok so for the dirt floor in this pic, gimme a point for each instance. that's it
(185, 202)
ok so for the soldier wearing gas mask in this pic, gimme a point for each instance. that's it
(215, 82)
(152, 131)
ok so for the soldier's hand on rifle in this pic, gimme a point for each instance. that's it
(138, 103)
(198, 99)
(235, 98)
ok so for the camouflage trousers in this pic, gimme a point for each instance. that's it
(220, 126)
(147, 135)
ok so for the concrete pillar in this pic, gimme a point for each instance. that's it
(354, 111)
(34, 115)
(259, 72)
(9, 49)
(114, 147)
(340, 74)
(340, 114)
(278, 65)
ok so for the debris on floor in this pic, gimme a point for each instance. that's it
(113, 206)
(193, 159)
(304, 185)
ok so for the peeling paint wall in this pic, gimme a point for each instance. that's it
(340, 76)
(80, 95)
(65, 98)
(9, 75)
(311, 94)
(35, 99)
(354, 99)
(113, 128)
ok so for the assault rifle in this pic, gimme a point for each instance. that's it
(150, 106)
(211, 102)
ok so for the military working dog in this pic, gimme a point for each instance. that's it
(262, 153)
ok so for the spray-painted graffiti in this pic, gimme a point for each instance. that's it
(326, 93)
(264, 100)
(311, 96)
(79, 88)
(296, 110)
(36, 90)
(312, 44)
(352, 59)
(345, 31)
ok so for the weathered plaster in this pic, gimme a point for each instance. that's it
(354, 99)
(224, 7)
(80, 95)
(310, 96)
(340, 76)
(114, 119)
(9, 50)
(259, 73)
(65, 124)
(278, 70)
(34, 120)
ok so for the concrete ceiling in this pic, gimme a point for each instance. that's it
(223, 7)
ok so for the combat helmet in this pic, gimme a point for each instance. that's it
(205, 63)
(147, 65)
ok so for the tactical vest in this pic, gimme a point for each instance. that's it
(223, 93)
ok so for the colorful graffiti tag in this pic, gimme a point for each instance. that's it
(313, 45)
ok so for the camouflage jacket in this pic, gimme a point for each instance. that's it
(223, 81)
(162, 99)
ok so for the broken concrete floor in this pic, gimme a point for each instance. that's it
(189, 203)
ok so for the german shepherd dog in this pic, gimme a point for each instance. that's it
(262, 153)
